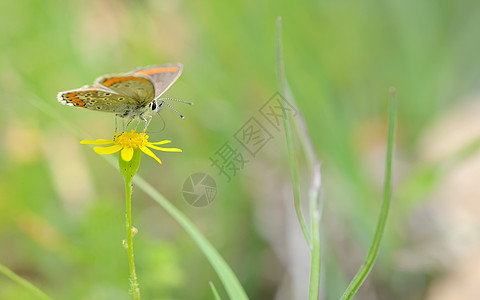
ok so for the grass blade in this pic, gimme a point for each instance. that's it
(216, 296)
(301, 131)
(27, 285)
(287, 124)
(372, 254)
(226, 275)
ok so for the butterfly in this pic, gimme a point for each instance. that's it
(132, 95)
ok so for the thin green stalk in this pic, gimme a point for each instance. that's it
(128, 170)
(314, 204)
(289, 137)
(27, 285)
(134, 288)
(372, 254)
(230, 282)
(216, 296)
(313, 240)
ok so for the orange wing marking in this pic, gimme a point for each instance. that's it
(114, 80)
(157, 71)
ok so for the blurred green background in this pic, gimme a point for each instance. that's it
(62, 206)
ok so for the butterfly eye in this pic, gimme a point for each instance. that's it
(153, 105)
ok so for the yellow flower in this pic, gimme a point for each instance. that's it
(127, 142)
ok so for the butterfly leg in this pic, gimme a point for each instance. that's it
(115, 132)
(116, 127)
(138, 123)
(128, 124)
(146, 122)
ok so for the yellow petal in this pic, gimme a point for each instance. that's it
(96, 142)
(161, 142)
(107, 150)
(164, 149)
(127, 154)
(150, 153)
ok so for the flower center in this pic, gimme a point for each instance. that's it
(131, 139)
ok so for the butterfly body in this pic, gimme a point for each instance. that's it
(130, 95)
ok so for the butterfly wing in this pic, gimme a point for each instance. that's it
(162, 76)
(139, 88)
(97, 98)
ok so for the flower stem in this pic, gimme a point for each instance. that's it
(230, 282)
(367, 265)
(128, 170)
(134, 287)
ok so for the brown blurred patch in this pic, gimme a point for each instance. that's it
(449, 237)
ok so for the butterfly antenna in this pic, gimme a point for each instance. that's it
(173, 99)
(171, 107)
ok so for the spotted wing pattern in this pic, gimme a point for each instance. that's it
(97, 98)
(128, 95)
(162, 76)
(139, 88)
